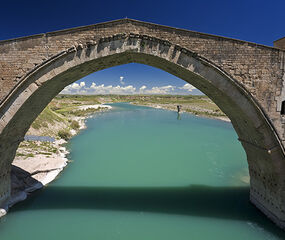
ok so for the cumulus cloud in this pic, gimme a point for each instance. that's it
(102, 89)
(81, 88)
(188, 87)
(158, 90)
(121, 80)
(75, 86)
(142, 88)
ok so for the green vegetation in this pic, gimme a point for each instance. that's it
(57, 120)
(74, 125)
(80, 99)
(30, 155)
(48, 116)
(60, 113)
(32, 148)
(64, 134)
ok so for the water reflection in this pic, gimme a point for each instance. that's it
(178, 116)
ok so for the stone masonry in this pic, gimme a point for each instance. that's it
(246, 80)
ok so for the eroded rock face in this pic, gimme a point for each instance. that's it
(244, 79)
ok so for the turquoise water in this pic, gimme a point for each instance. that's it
(143, 173)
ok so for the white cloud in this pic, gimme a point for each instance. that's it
(121, 80)
(142, 88)
(81, 88)
(75, 86)
(102, 89)
(188, 87)
(158, 90)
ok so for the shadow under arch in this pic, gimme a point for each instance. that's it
(264, 151)
(229, 203)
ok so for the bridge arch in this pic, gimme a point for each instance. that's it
(265, 153)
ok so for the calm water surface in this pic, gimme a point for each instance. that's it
(143, 173)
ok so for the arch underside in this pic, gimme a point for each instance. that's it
(265, 154)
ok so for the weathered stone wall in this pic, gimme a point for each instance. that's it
(258, 68)
(244, 79)
(280, 43)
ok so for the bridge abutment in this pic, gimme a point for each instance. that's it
(7, 152)
(267, 181)
(5, 189)
(275, 216)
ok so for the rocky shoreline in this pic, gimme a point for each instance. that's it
(32, 173)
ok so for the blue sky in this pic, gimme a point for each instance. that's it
(131, 79)
(251, 20)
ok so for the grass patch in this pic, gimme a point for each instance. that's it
(46, 117)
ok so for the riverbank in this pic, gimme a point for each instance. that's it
(185, 108)
(37, 163)
(199, 105)
(34, 172)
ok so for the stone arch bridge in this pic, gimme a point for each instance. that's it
(246, 80)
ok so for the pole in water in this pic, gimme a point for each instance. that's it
(178, 112)
(178, 108)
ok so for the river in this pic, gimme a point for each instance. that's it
(140, 173)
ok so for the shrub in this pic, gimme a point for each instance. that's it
(64, 134)
(74, 125)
